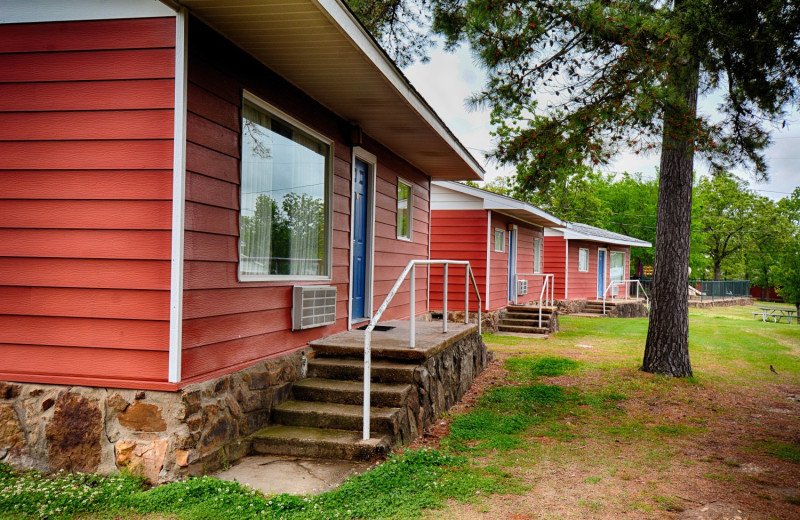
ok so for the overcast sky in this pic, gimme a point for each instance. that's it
(448, 79)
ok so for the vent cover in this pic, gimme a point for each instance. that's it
(522, 287)
(313, 306)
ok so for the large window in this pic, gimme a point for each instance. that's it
(404, 205)
(283, 228)
(537, 255)
(617, 266)
(583, 260)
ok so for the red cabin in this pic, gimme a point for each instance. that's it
(585, 260)
(501, 237)
(174, 174)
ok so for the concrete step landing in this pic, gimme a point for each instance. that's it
(326, 443)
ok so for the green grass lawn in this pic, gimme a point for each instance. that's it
(570, 428)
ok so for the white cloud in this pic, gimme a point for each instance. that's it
(449, 79)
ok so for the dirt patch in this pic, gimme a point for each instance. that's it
(671, 449)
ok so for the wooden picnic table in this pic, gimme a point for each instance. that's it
(776, 313)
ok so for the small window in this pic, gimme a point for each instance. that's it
(583, 260)
(404, 205)
(499, 240)
(537, 255)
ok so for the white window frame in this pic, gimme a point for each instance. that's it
(410, 236)
(499, 240)
(286, 118)
(537, 255)
(585, 262)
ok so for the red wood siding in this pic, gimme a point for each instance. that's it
(584, 284)
(498, 266)
(462, 235)
(230, 324)
(86, 117)
(525, 237)
(458, 235)
(555, 255)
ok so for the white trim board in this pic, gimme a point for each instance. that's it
(178, 200)
(30, 11)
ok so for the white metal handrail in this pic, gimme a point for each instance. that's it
(411, 268)
(547, 293)
(627, 291)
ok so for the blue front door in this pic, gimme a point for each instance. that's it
(601, 272)
(359, 238)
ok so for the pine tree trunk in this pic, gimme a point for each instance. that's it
(667, 347)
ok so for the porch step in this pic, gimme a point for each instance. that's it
(350, 392)
(353, 369)
(527, 330)
(335, 416)
(595, 307)
(529, 309)
(319, 442)
(528, 322)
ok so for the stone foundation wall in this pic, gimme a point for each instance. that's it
(629, 310)
(163, 436)
(733, 302)
(571, 306)
(489, 320)
(440, 382)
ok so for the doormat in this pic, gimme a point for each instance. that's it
(379, 328)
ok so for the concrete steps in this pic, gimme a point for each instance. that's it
(335, 416)
(324, 416)
(300, 441)
(352, 369)
(525, 319)
(596, 307)
(350, 392)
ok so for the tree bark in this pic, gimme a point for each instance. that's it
(667, 347)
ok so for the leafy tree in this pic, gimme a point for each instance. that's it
(572, 81)
(723, 215)
(787, 272)
(765, 241)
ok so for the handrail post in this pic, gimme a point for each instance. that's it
(444, 301)
(466, 294)
(367, 378)
(412, 308)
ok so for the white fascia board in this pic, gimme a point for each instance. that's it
(572, 235)
(30, 11)
(365, 42)
(496, 201)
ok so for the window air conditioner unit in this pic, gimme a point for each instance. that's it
(313, 306)
(522, 287)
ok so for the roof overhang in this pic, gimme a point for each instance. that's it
(506, 205)
(571, 234)
(321, 48)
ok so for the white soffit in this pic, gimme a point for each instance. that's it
(633, 242)
(320, 47)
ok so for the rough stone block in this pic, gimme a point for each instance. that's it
(74, 434)
(9, 390)
(143, 417)
(142, 458)
(191, 402)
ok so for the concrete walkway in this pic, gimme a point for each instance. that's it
(296, 476)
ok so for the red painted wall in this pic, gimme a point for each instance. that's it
(458, 235)
(462, 235)
(584, 284)
(555, 258)
(230, 324)
(86, 125)
(767, 295)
